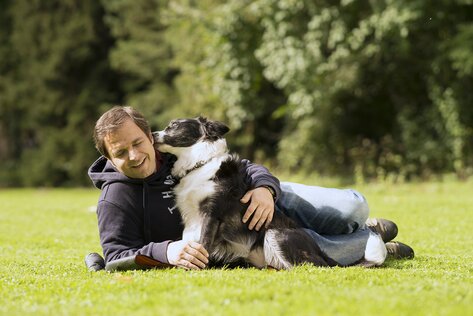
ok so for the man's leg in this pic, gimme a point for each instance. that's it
(324, 210)
(335, 219)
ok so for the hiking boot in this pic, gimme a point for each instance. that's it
(384, 227)
(398, 250)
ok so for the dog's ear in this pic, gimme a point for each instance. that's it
(202, 119)
(215, 129)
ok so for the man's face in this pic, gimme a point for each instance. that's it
(131, 151)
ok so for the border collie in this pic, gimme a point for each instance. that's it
(211, 184)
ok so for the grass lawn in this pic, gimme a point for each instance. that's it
(45, 234)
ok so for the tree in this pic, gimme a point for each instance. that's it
(338, 86)
(220, 73)
(379, 89)
(142, 56)
(57, 78)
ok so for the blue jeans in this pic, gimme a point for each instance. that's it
(334, 218)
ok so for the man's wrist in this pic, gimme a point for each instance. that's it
(271, 190)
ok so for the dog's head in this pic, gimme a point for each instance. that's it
(184, 133)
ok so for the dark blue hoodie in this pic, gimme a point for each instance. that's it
(138, 216)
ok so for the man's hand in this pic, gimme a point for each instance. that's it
(261, 207)
(187, 255)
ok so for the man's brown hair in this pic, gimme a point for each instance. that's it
(112, 120)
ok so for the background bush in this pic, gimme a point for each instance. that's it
(378, 89)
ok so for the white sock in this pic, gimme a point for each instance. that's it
(375, 251)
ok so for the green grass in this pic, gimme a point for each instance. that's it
(45, 234)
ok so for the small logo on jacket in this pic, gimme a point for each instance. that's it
(169, 194)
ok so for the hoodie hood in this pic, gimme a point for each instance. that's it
(136, 216)
(102, 172)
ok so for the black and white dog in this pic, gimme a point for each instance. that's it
(208, 197)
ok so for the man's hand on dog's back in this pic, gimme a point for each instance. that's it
(187, 255)
(261, 207)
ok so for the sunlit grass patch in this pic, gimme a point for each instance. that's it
(45, 235)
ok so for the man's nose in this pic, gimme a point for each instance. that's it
(132, 154)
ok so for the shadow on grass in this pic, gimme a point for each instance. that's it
(401, 264)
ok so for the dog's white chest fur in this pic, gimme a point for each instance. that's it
(191, 191)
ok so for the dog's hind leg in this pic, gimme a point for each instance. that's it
(284, 248)
(256, 258)
(273, 254)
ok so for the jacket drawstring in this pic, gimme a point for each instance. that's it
(146, 213)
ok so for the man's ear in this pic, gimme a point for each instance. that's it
(151, 138)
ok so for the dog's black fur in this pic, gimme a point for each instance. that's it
(282, 245)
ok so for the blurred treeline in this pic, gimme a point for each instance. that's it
(380, 88)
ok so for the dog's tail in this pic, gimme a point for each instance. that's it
(286, 247)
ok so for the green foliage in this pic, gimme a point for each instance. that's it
(47, 233)
(221, 73)
(141, 55)
(52, 92)
(361, 74)
(360, 87)
(377, 89)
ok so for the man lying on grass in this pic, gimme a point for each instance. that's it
(137, 217)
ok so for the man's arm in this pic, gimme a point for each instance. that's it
(259, 176)
(121, 237)
(121, 234)
(266, 190)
